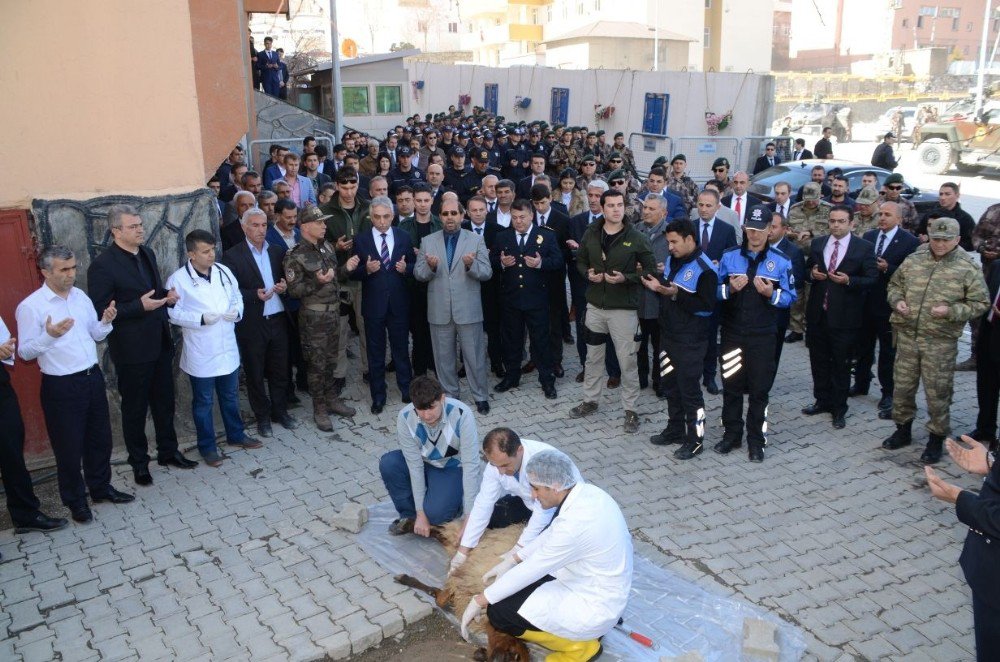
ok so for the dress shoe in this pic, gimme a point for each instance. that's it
(338, 407)
(499, 370)
(293, 399)
(710, 386)
(579, 377)
(689, 450)
(82, 515)
(614, 382)
(390, 366)
(550, 391)
(483, 407)
(558, 371)
(583, 409)
(885, 403)
(461, 372)
(142, 475)
(815, 408)
(505, 385)
(793, 336)
(756, 454)
(248, 443)
(932, 452)
(857, 390)
(40, 522)
(631, 425)
(177, 460)
(727, 445)
(838, 422)
(528, 367)
(903, 436)
(285, 421)
(968, 365)
(264, 429)
(406, 398)
(568, 338)
(113, 496)
(673, 434)
(376, 409)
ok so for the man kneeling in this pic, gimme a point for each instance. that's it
(505, 496)
(568, 586)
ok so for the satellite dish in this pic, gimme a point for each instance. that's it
(349, 48)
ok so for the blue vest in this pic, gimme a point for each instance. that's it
(688, 274)
(736, 263)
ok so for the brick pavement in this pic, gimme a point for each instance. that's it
(831, 533)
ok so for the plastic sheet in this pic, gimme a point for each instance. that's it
(678, 615)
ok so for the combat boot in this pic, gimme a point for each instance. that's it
(756, 452)
(903, 436)
(674, 434)
(932, 453)
(337, 406)
(321, 417)
(730, 442)
(690, 449)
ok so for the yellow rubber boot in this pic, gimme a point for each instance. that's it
(565, 650)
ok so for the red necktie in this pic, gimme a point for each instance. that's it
(739, 211)
(829, 270)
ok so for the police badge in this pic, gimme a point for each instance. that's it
(770, 265)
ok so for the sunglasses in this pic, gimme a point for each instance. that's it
(450, 213)
(618, 182)
(348, 181)
(895, 187)
(615, 161)
(718, 169)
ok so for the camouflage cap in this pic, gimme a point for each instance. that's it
(943, 228)
(867, 196)
(758, 217)
(811, 191)
(312, 214)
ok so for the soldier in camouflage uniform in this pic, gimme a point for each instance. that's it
(806, 220)
(564, 155)
(633, 205)
(866, 212)
(892, 192)
(628, 157)
(311, 273)
(933, 294)
(678, 182)
(986, 236)
(588, 172)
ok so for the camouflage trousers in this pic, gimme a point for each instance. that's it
(797, 314)
(927, 360)
(320, 333)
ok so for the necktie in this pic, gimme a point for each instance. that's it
(704, 236)
(384, 254)
(479, 231)
(492, 206)
(881, 245)
(829, 270)
(996, 302)
(739, 209)
(541, 221)
(770, 162)
(520, 240)
(449, 247)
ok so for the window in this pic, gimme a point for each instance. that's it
(906, 22)
(968, 27)
(708, 4)
(453, 27)
(920, 21)
(954, 25)
(708, 37)
(928, 11)
(388, 99)
(949, 12)
(356, 100)
(597, 5)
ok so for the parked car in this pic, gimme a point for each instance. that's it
(797, 173)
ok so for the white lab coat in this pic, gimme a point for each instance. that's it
(496, 485)
(209, 350)
(588, 549)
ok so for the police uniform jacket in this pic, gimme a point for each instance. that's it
(980, 558)
(687, 314)
(748, 312)
(523, 287)
(453, 178)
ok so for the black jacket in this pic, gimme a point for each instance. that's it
(677, 317)
(980, 558)
(883, 157)
(966, 224)
(846, 302)
(903, 243)
(248, 277)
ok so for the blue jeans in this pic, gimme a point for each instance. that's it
(227, 388)
(443, 499)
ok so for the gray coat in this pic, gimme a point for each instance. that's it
(453, 295)
(649, 305)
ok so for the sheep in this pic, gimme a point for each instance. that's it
(467, 581)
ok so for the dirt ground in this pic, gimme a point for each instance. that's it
(433, 639)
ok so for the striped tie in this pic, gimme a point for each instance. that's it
(384, 254)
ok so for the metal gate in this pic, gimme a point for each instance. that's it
(701, 152)
(654, 114)
(490, 97)
(646, 147)
(560, 105)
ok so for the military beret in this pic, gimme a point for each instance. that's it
(894, 178)
(616, 174)
(943, 228)
(600, 132)
(678, 157)
(619, 135)
(720, 162)
(660, 160)
(614, 155)
(588, 158)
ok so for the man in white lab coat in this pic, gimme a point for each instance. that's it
(505, 495)
(570, 585)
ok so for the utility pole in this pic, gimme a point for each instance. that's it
(982, 58)
(337, 92)
(656, 39)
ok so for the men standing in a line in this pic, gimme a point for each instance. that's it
(806, 220)
(892, 245)
(932, 294)
(686, 293)
(523, 254)
(208, 307)
(611, 255)
(311, 274)
(140, 345)
(59, 327)
(262, 333)
(480, 223)
(841, 268)
(383, 261)
(755, 283)
(654, 226)
(556, 223)
(22, 504)
(454, 262)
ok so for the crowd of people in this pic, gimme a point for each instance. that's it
(462, 246)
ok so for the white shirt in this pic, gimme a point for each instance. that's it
(209, 350)
(841, 250)
(743, 205)
(543, 218)
(503, 218)
(888, 239)
(263, 260)
(4, 337)
(76, 349)
(289, 238)
(389, 241)
(479, 229)
(783, 208)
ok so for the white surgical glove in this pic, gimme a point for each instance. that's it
(210, 318)
(471, 613)
(500, 569)
(231, 315)
(456, 562)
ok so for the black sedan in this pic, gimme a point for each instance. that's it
(798, 173)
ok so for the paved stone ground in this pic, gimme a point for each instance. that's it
(831, 533)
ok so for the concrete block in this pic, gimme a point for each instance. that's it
(759, 640)
(689, 656)
(350, 518)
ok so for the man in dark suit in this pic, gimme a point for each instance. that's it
(841, 268)
(768, 160)
(988, 362)
(714, 237)
(557, 223)
(141, 346)
(522, 254)
(387, 260)
(489, 291)
(778, 240)
(262, 333)
(800, 152)
(739, 200)
(892, 245)
(232, 232)
(525, 184)
(270, 68)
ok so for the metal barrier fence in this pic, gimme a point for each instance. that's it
(702, 151)
(258, 151)
(646, 148)
(753, 147)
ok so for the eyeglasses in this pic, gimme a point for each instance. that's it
(450, 213)
(348, 181)
(718, 169)
(618, 182)
(895, 187)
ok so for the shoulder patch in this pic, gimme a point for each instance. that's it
(289, 275)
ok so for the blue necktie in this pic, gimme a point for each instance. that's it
(449, 246)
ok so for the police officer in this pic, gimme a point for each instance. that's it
(755, 282)
(455, 172)
(311, 272)
(687, 291)
(472, 183)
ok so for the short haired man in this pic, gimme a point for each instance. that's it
(892, 191)
(948, 206)
(883, 156)
(654, 226)
(680, 183)
(780, 242)
(824, 148)
(58, 326)
(800, 152)
(301, 188)
(768, 160)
